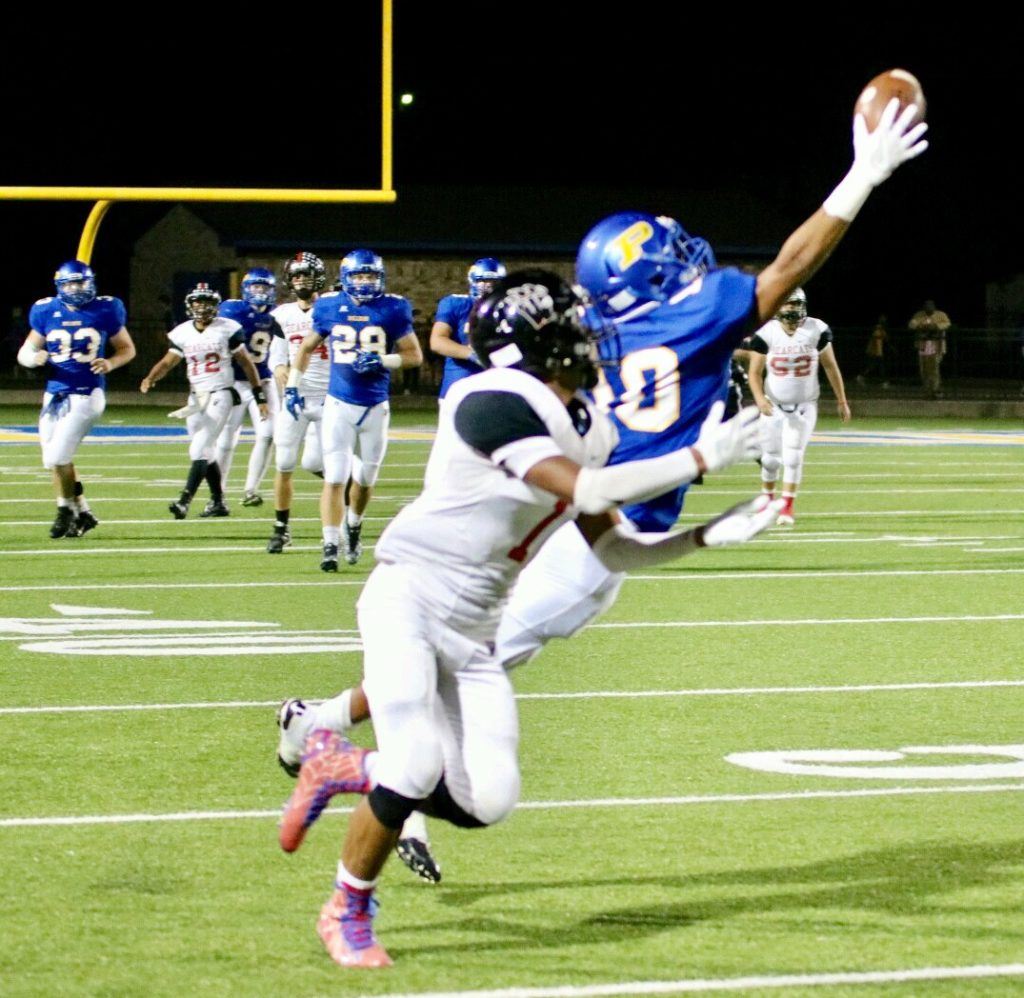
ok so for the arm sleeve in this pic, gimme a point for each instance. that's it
(172, 345)
(237, 340)
(825, 338)
(444, 311)
(757, 345)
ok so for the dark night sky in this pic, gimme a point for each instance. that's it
(533, 95)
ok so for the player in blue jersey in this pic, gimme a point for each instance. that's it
(253, 313)
(679, 319)
(71, 333)
(449, 336)
(369, 334)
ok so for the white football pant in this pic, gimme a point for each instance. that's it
(289, 433)
(205, 425)
(441, 702)
(348, 429)
(263, 428)
(784, 439)
(61, 434)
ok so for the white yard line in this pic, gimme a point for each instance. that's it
(805, 621)
(545, 805)
(766, 574)
(586, 695)
(753, 982)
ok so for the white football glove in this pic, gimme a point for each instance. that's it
(722, 444)
(741, 523)
(876, 154)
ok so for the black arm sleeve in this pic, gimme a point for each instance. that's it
(825, 338)
(275, 328)
(756, 344)
(489, 420)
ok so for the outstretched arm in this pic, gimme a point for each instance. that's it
(875, 155)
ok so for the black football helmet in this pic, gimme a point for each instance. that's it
(535, 321)
(201, 303)
(305, 274)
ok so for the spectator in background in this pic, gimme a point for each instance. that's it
(929, 327)
(874, 354)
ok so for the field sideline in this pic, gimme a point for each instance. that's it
(794, 767)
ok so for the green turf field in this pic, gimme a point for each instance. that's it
(679, 821)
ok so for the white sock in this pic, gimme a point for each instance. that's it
(332, 535)
(344, 877)
(335, 714)
(353, 519)
(415, 827)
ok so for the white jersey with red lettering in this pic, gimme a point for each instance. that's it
(791, 364)
(207, 352)
(476, 520)
(297, 324)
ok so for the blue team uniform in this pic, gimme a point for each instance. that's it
(75, 337)
(259, 328)
(351, 327)
(453, 310)
(702, 328)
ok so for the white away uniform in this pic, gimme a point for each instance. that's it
(297, 324)
(429, 613)
(791, 384)
(207, 356)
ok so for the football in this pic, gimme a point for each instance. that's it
(876, 95)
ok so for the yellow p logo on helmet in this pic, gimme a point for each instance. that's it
(629, 243)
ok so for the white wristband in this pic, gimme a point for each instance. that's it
(849, 196)
(29, 356)
(392, 361)
(294, 378)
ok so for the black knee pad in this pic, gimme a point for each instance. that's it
(390, 808)
(442, 806)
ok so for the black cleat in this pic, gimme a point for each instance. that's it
(416, 855)
(215, 508)
(179, 509)
(84, 522)
(329, 561)
(252, 499)
(64, 523)
(279, 540)
(353, 549)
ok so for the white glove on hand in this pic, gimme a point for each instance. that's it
(876, 154)
(741, 523)
(723, 444)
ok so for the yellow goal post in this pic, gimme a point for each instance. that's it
(106, 196)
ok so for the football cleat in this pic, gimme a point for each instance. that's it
(84, 522)
(786, 517)
(279, 540)
(294, 722)
(252, 499)
(63, 523)
(329, 561)
(416, 855)
(215, 508)
(345, 927)
(330, 765)
(353, 547)
(179, 509)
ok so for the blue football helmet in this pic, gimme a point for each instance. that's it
(259, 287)
(76, 283)
(632, 258)
(365, 262)
(483, 275)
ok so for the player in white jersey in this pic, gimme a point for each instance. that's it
(305, 275)
(208, 344)
(519, 452)
(784, 357)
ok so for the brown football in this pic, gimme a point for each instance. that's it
(892, 83)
